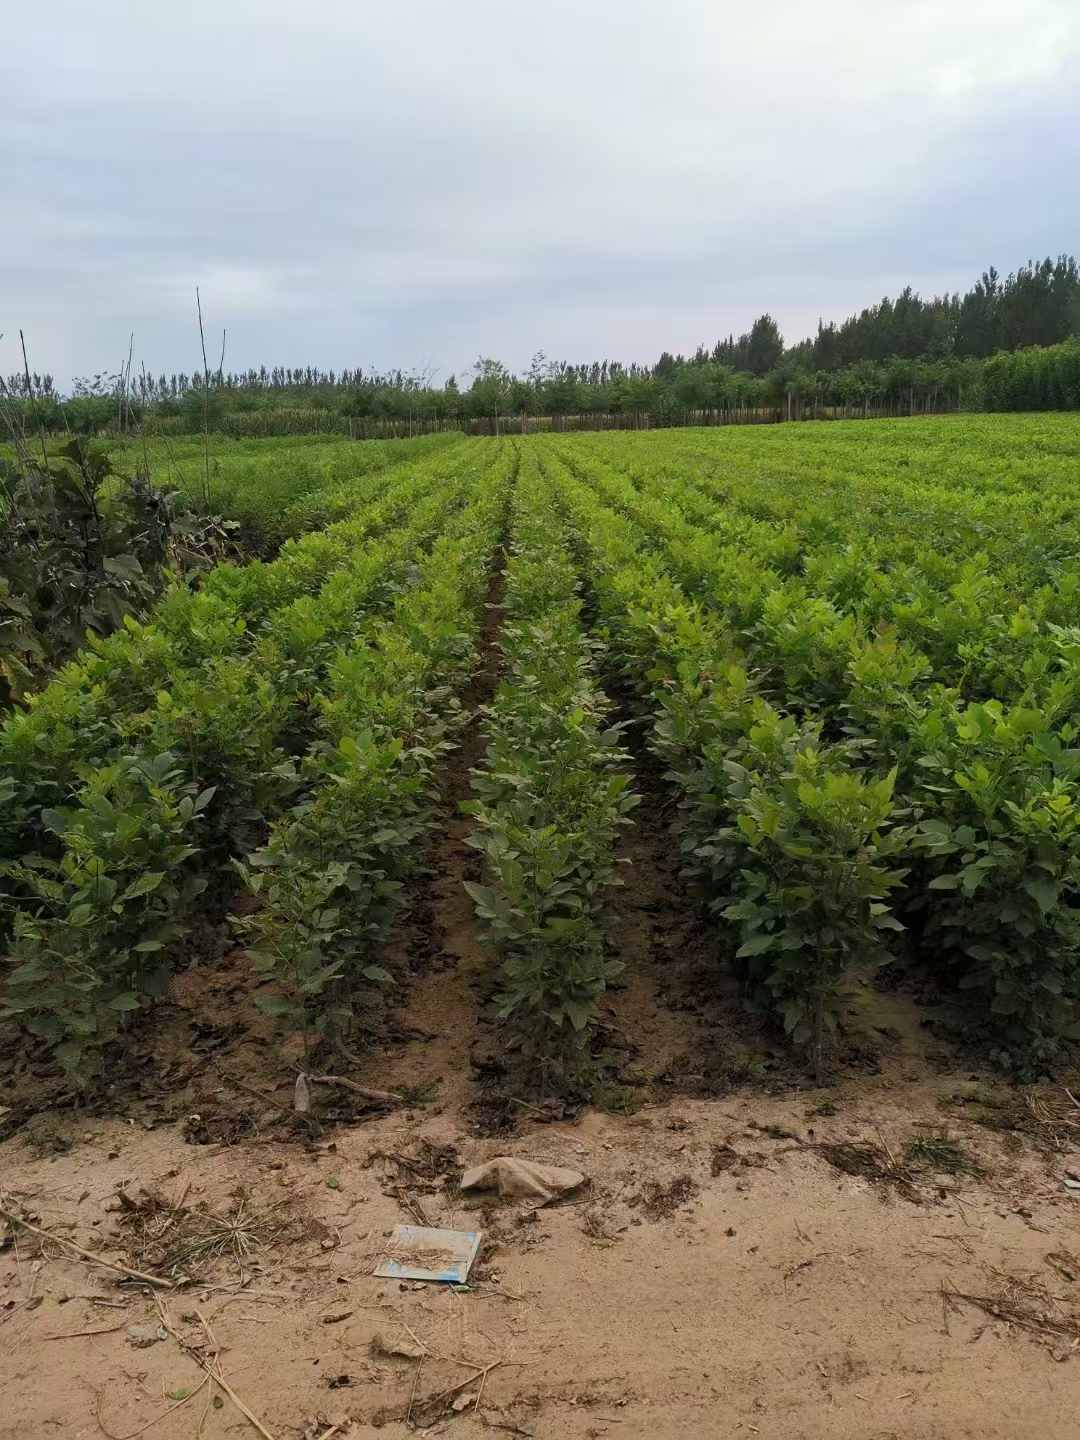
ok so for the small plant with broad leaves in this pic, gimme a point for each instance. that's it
(93, 944)
(329, 880)
(1000, 853)
(332, 873)
(552, 799)
(815, 881)
(788, 839)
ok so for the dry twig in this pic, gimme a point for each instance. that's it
(412, 1392)
(126, 1270)
(213, 1371)
(75, 1334)
(380, 1097)
(256, 1094)
(1023, 1303)
(150, 1423)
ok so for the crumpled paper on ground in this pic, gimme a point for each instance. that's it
(522, 1179)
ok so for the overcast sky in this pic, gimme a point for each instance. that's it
(416, 183)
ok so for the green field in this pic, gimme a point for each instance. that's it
(851, 649)
(263, 485)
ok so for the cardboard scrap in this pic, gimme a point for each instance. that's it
(522, 1179)
(421, 1252)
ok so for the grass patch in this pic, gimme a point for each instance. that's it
(942, 1155)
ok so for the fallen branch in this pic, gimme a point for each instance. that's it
(214, 1374)
(75, 1334)
(126, 1270)
(515, 1100)
(479, 1393)
(257, 1094)
(380, 1097)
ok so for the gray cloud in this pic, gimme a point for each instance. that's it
(400, 185)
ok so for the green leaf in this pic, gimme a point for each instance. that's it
(274, 1004)
(756, 945)
(28, 972)
(793, 1015)
(886, 922)
(936, 827)
(69, 1055)
(1045, 892)
(579, 1012)
(144, 885)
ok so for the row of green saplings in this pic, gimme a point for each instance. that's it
(552, 798)
(98, 939)
(977, 801)
(809, 859)
(796, 848)
(213, 676)
(793, 847)
(333, 869)
(796, 841)
(793, 841)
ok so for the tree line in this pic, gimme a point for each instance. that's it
(1005, 344)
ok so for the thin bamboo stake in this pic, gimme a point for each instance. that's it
(206, 398)
(33, 402)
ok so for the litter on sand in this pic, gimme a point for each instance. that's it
(407, 1349)
(522, 1179)
(420, 1252)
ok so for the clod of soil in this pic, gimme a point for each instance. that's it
(48, 1134)
(725, 1158)
(658, 1202)
(865, 1161)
